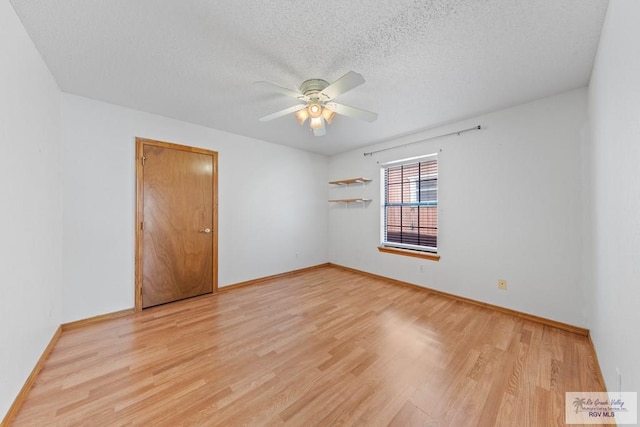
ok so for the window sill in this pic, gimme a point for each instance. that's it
(407, 252)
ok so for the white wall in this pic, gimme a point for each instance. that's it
(272, 203)
(30, 210)
(526, 178)
(614, 98)
(509, 205)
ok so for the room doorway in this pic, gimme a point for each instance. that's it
(176, 222)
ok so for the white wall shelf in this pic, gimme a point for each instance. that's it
(346, 183)
(350, 181)
(355, 200)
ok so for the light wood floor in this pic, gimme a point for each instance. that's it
(327, 347)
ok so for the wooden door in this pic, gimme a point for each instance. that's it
(176, 239)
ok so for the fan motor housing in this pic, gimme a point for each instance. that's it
(313, 86)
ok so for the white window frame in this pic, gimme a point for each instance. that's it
(414, 202)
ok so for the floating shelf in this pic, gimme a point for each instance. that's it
(358, 200)
(346, 183)
(350, 181)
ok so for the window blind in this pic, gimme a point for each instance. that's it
(411, 205)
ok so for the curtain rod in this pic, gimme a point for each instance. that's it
(371, 153)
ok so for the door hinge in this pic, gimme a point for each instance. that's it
(143, 159)
(141, 225)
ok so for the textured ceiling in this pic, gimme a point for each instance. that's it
(425, 62)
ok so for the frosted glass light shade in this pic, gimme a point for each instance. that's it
(314, 110)
(302, 116)
(316, 122)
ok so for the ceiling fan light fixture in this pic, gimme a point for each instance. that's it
(315, 110)
(316, 97)
(328, 115)
(316, 122)
(302, 116)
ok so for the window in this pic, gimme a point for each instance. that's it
(410, 209)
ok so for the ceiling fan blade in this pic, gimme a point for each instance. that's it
(353, 112)
(322, 130)
(340, 86)
(282, 112)
(276, 88)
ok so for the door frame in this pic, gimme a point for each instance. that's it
(139, 249)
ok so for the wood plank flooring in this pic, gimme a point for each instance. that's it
(326, 347)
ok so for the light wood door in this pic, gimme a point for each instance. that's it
(177, 222)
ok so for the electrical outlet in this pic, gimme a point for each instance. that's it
(502, 284)
(619, 380)
(421, 268)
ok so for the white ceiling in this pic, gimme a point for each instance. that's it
(425, 62)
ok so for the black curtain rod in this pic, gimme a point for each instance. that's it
(371, 153)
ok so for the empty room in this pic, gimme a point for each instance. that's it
(405, 213)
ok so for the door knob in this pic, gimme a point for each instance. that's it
(205, 230)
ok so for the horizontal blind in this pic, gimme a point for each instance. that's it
(411, 205)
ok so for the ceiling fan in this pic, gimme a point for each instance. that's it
(317, 96)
